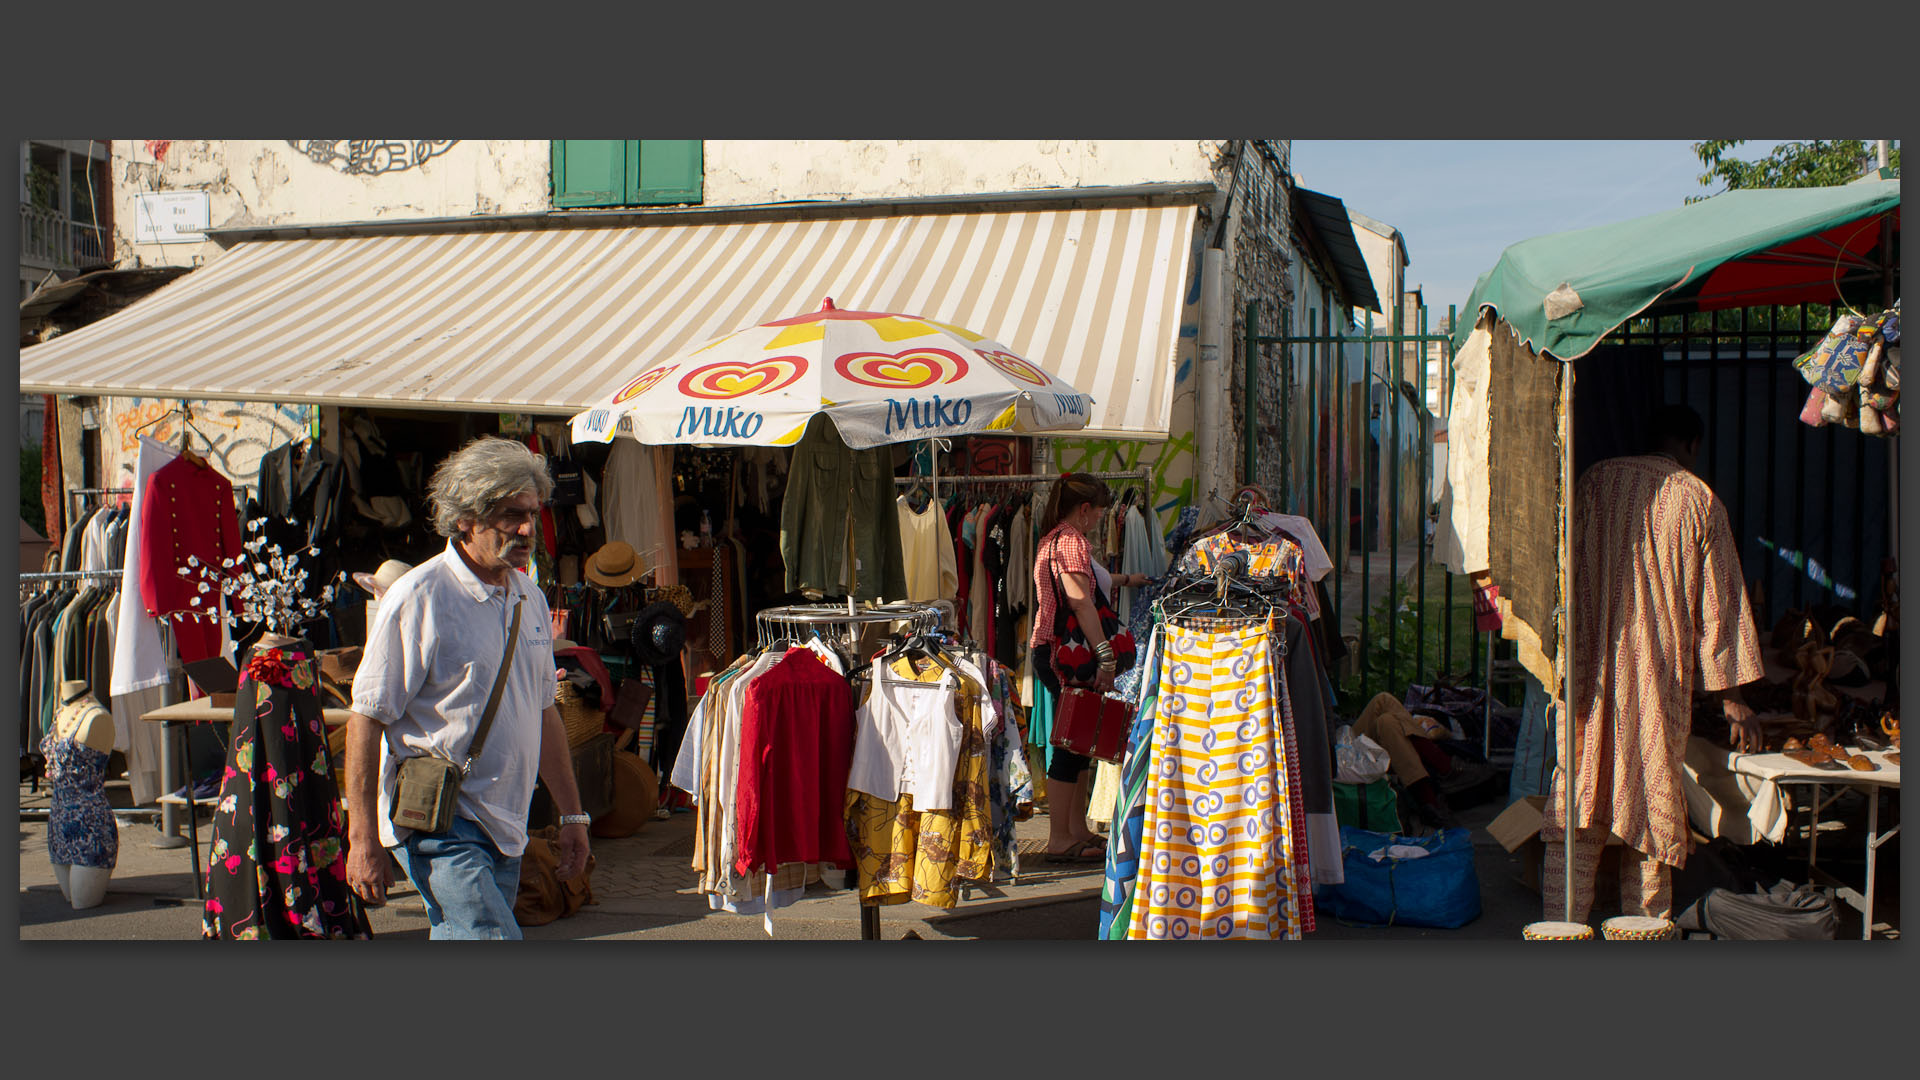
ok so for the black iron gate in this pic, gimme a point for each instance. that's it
(1336, 431)
(1812, 508)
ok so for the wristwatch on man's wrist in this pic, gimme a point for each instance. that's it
(575, 819)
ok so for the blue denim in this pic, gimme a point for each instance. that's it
(1534, 750)
(468, 886)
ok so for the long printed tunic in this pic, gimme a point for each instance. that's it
(1657, 595)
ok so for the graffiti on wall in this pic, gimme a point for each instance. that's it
(1170, 463)
(232, 435)
(370, 157)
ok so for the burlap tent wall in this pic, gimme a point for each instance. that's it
(1501, 509)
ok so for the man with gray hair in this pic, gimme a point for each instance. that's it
(424, 685)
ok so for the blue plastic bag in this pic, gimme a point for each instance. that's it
(1440, 889)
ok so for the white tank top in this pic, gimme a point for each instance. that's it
(907, 740)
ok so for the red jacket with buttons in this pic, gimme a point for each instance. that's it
(186, 509)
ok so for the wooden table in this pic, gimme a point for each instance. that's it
(181, 717)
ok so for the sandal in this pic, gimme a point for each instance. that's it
(1091, 850)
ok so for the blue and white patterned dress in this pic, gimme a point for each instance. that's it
(80, 826)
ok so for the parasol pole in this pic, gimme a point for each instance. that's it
(1567, 761)
(1887, 298)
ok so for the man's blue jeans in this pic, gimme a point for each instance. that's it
(468, 886)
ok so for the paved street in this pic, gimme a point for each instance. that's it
(643, 887)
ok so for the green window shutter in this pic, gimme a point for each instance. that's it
(667, 171)
(590, 172)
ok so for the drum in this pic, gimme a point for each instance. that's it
(1639, 928)
(1557, 931)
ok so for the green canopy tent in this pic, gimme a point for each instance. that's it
(1554, 298)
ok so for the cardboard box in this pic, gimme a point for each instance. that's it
(1521, 822)
(1518, 830)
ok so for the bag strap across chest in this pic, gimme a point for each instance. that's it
(493, 699)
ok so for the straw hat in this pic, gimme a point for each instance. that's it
(378, 582)
(615, 565)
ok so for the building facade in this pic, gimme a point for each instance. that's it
(171, 199)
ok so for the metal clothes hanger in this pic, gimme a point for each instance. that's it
(186, 425)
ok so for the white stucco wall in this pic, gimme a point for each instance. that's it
(273, 181)
(740, 172)
(278, 181)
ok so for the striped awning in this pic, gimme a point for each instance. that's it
(549, 319)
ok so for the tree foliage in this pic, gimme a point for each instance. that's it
(1814, 163)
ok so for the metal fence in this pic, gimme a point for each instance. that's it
(1812, 508)
(1337, 433)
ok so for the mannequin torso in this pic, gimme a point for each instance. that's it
(91, 727)
(82, 839)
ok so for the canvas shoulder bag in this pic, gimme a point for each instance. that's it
(427, 789)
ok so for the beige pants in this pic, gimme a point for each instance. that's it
(1646, 883)
(1388, 723)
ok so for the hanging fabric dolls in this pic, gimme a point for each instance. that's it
(1855, 374)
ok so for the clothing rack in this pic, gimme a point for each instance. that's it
(71, 575)
(772, 621)
(76, 493)
(1021, 478)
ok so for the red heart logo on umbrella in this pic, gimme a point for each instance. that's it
(731, 379)
(1015, 367)
(647, 381)
(908, 370)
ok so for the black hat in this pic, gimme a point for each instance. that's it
(659, 633)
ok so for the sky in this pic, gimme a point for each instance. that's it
(1458, 204)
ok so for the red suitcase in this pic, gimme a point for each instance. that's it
(1092, 725)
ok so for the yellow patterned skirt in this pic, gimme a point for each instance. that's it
(1217, 843)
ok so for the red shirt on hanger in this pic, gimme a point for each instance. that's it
(796, 748)
(186, 509)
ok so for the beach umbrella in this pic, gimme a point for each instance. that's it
(882, 377)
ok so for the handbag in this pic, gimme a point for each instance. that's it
(427, 788)
(569, 482)
(562, 621)
(619, 626)
(1073, 653)
(1091, 724)
(630, 704)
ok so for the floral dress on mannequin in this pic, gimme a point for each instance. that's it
(279, 862)
(80, 825)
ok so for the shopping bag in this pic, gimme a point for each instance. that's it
(1374, 806)
(1358, 759)
(1428, 881)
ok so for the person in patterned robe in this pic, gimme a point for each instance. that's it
(1659, 609)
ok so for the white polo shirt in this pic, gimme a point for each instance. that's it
(429, 665)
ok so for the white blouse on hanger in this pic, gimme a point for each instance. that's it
(139, 655)
(907, 738)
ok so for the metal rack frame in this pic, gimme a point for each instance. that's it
(70, 575)
(73, 495)
(1018, 478)
(773, 622)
